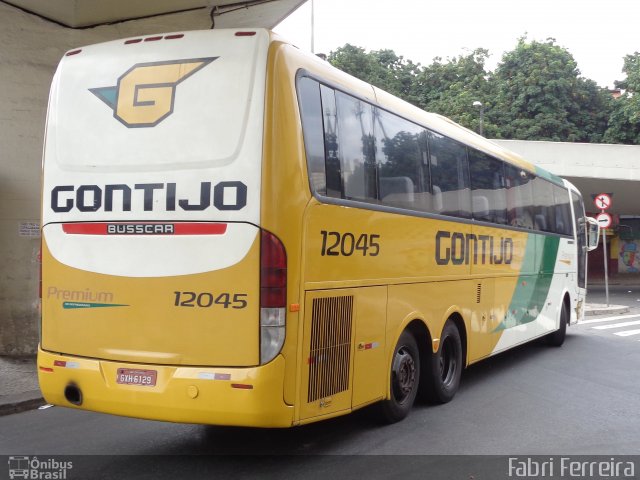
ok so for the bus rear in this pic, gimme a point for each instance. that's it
(153, 260)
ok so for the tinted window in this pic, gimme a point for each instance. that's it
(580, 226)
(403, 162)
(356, 151)
(543, 208)
(312, 128)
(332, 162)
(563, 211)
(519, 197)
(449, 176)
(356, 148)
(488, 192)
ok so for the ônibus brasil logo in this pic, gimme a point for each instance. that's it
(144, 94)
(32, 468)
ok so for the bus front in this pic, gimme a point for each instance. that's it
(153, 261)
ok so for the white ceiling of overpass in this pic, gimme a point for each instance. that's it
(228, 13)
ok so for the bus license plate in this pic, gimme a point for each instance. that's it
(130, 376)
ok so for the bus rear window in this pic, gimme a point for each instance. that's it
(146, 108)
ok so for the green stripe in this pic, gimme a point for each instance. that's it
(541, 172)
(71, 305)
(532, 290)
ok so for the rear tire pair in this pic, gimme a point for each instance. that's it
(434, 378)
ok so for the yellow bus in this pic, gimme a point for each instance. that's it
(237, 233)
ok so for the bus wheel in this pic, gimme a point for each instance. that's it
(444, 368)
(556, 339)
(404, 378)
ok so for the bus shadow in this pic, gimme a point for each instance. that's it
(327, 437)
(313, 439)
(501, 363)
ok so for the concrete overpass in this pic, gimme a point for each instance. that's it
(224, 13)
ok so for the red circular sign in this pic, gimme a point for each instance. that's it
(602, 201)
(604, 220)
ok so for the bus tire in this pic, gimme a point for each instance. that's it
(556, 339)
(443, 369)
(404, 378)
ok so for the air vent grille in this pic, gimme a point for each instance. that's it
(330, 352)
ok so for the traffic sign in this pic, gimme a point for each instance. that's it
(602, 201)
(604, 220)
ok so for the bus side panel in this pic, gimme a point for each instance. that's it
(534, 308)
(501, 259)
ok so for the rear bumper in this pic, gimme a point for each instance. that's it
(181, 394)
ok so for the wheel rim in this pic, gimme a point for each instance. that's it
(448, 361)
(404, 374)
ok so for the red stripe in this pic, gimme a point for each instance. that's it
(85, 228)
(100, 228)
(200, 228)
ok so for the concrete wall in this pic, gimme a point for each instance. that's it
(30, 49)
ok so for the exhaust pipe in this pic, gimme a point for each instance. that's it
(73, 394)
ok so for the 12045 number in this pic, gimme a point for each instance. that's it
(346, 244)
(206, 300)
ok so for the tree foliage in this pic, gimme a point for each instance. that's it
(535, 93)
(624, 123)
(450, 88)
(541, 96)
(382, 68)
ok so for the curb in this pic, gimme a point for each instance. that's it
(604, 310)
(20, 402)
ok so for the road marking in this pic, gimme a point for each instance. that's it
(617, 325)
(608, 319)
(627, 333)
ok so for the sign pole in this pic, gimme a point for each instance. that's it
(606, 274)
(603, 202)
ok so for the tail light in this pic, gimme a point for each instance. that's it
(273, 296)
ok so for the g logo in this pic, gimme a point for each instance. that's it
(145, 93)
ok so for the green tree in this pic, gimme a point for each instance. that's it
(624, 123)
(450, 88)
(382, 68)
(541, 96)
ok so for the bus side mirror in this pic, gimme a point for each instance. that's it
(593, 234)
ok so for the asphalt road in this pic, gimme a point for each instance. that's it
(580, 399)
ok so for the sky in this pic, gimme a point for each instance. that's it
(598, 34)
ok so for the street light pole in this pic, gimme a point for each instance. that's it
(481, 106)
(313, 27)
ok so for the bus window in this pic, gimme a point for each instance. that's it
(488, 193)
(580, 226)
(311, 116)
(543, 209)
(449, 176)
(404, 169)
(332, 162)
(519, 197)
(356, 148)
(563, 211)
